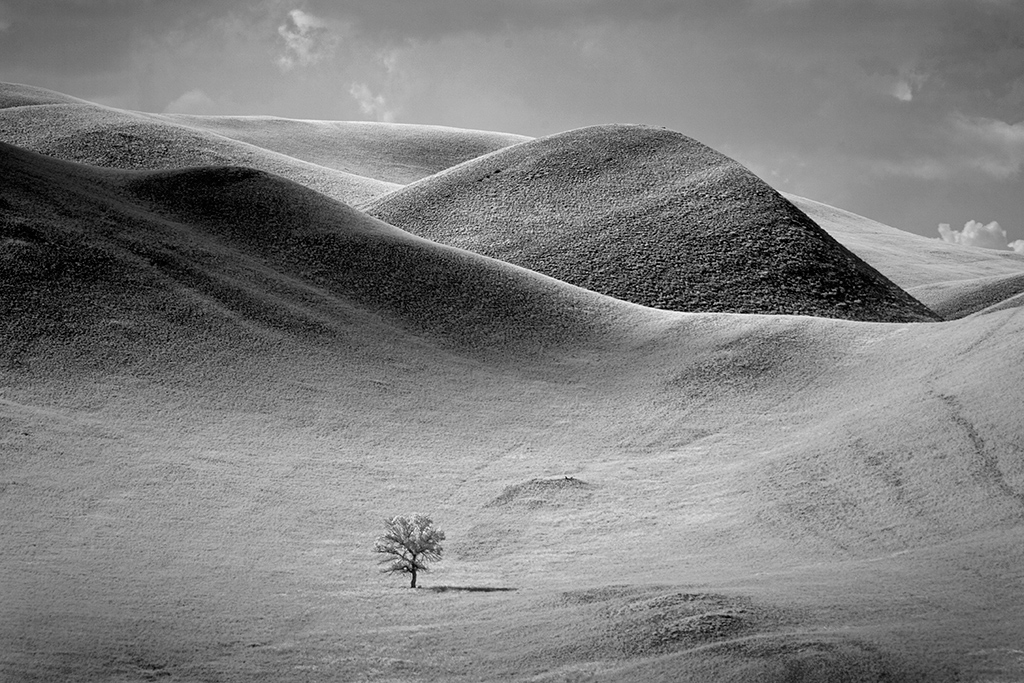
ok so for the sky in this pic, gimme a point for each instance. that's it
(910, 112)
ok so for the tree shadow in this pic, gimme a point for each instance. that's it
(468, 589)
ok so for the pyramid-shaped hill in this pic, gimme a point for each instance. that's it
(75, 130)
(650, 216)
(107, 263)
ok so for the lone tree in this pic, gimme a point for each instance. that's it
(408, 544)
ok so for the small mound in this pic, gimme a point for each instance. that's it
(538, 493)
(657, 633)
(649, 216)
(391, 152)
(645, 621)
(827, 659)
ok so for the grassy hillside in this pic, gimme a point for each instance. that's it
(75, 130)
(359, 161)
(216, 383)
(222, 232)
(952, 279)
(352, 161)
(393, 152)
(18, 95)
(649, 216)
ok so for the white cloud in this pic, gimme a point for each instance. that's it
(909, 81)
(902, 91)
(307, 40)
(192, 102)
(390, 61)
(998, 146)
(370, 104)
(975, 234)
(1017, 246)
(384, 89)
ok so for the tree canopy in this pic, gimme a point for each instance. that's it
(408, 544)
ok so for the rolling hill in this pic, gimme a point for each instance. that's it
(216, 382)
(952, 279)
(393, 152)
(648, 216)
(75, 130)
(222, 232)
(350, 161)
(358, 162)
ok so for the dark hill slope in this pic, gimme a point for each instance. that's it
(121, 260)
(392, 152)
(649, 216)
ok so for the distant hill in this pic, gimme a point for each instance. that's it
(649, 216)
(19, 95)
(75, 130)
(107, 255)
(953, 280)
(393, 152)
(352, 161)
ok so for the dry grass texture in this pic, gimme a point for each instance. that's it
(216, 381)
(649, 216)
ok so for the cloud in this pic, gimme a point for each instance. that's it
(370, 104)
(961, 146)
(397, 21)
(998, 146)
(902, 91)
(1017, 246)
(975, 234)
(192, 102)
(307, 40)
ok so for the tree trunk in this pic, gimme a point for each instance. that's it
(413, 585)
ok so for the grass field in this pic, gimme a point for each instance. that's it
(216, 382)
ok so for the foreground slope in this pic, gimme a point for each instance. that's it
(217, 382)
(649, 216)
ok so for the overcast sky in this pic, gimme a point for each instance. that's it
(910, 112)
